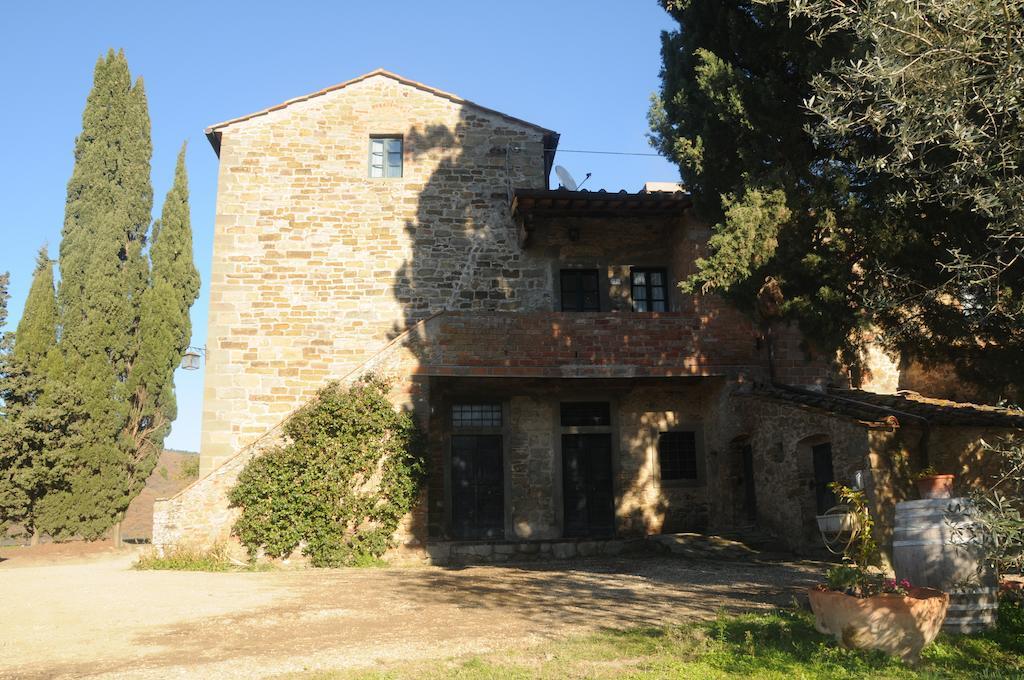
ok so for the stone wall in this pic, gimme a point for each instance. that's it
(781, 437)
(641, 409)
(320, 272)
(649, 505)
(532, 466)
(200, 516)
(316, 266)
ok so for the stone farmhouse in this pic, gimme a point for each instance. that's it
(573, 396)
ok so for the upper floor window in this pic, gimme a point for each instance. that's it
(650, 293)
(677, 455)
(580, 291)
(385, 156)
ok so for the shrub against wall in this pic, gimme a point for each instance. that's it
(349, 470)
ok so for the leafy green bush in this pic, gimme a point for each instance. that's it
(349, 470)
(997, 518)
(189, 468)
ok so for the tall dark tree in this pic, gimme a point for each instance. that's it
(164, 330)
(800, 215)
(40, 409)
(104, 274)
(731, 114)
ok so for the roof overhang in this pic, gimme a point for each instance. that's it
(893, 410)
(530, 204)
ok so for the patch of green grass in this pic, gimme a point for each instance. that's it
(367, 561)
(781, 645)
(184, 559)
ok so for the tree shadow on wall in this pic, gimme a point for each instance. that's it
(464, 253)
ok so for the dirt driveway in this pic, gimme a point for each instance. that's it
(95, 617)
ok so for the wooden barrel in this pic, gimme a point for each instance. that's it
(932, 546)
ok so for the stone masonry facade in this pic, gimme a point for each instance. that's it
(322, 272)
(316, 266)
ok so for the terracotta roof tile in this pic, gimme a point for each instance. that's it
(903, 407)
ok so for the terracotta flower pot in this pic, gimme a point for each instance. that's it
(901, 625)
(935, 486)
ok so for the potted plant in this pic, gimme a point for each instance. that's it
(931, 484)
(863, 609)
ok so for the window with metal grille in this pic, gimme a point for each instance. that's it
(476, 415)
(586, 414)
(385, 157)
(580, 290)
(677, 455)
(650, 291)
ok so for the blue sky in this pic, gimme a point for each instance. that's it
(585, 69)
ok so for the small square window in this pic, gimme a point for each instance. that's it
(677, 455)
(476, 415)
(385, 157)
(650, 293)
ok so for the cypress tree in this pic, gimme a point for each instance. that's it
(731, 114)
(37, 331)
(22, 385)
(41, 411)
(164, 330)
(5, 279)
(9, 498)
(104, 274)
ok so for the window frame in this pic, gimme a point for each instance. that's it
(603, 406)
(386, 166)
(648, 287)
(479, 427)
(699, 457)
(578, 303)
(450, 432)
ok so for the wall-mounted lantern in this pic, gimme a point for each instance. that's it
(190, 360)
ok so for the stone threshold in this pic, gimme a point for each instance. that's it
(484, 552)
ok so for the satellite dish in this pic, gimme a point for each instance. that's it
(565, 179)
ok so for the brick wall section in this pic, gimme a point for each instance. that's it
(624, 344)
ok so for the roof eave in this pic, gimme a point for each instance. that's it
(214, 138)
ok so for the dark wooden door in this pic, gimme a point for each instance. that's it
(587, 485)
(478, 487)
(749, 492)
(823, 476)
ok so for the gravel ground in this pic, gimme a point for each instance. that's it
(92, 616)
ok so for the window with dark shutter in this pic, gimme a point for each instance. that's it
(677, 455)
(580, 290)
(649, 289)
